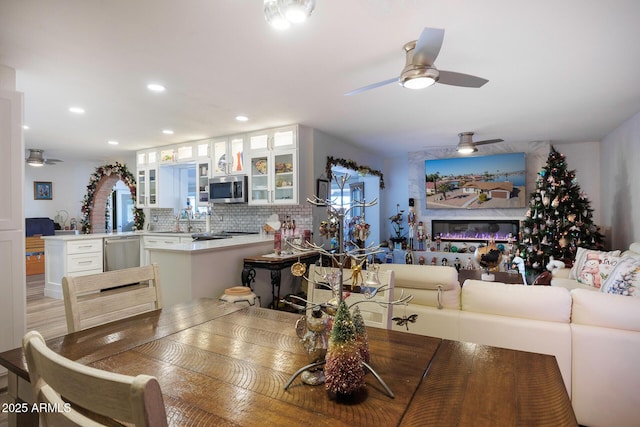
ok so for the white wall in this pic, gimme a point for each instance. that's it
(620, 183)
(69, 181)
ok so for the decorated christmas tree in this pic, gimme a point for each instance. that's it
(559, 218)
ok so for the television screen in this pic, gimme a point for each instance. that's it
(482, 182)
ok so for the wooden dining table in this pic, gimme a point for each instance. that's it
(221, 364)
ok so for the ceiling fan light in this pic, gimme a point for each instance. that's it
(273, 16)
(414, 77)
(418, 82)
(466, 148)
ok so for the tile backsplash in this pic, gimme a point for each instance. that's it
(232, 217)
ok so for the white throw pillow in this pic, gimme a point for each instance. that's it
(624, 279)
(592, 267)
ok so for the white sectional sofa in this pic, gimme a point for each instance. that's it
(595, 337)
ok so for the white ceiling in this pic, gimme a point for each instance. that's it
(558, 70)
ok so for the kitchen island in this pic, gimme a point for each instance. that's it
(204, 268)
(188, 269)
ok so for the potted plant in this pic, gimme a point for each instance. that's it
(398, 240)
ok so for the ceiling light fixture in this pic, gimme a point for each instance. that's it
(25, 127)
(418, 77)
(466, 148)
(36, 158)
(155, 87)
(76, 110)
(112, 142)
(167, 132)
(466, 144)
(242, 118)
(280, 14)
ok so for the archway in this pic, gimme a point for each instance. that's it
(100, 186)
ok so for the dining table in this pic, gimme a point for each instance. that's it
(224, 364)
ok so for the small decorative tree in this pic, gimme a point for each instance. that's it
(559, 218)
(343, 370)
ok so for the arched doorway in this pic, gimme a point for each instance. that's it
(99, 189)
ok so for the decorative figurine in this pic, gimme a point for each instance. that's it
(434, 261)
(420, 236)
(408, 257)
(421, 260)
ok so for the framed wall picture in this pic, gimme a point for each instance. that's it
(322, 189)
(42, 190)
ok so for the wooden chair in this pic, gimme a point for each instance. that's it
(78, 395)
(100, 298)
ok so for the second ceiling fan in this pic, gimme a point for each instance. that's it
(466, 145)
(420, 71)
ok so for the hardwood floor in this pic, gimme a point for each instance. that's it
(44, 314)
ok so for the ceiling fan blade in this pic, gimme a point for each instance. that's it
(428, 46)
(488, 141)
(458, 79)
(372, 86)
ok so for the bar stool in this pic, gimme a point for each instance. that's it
(240, 294)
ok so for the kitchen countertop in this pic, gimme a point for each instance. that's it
(197, 246)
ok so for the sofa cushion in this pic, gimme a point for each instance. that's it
(634, 250)
(422, 281)
(624, 279)
(528, 302)
(605, 310)
(592, 267)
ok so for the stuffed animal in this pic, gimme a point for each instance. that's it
(554, 264)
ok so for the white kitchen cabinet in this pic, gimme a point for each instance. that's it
(160, 241)
(12, 233)
(203, 167)
(69, 258)
(229, 155)
(273, 171)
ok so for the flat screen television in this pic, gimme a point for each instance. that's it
(480, 182)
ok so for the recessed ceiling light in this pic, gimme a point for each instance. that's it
(242, 118)
(167, 132)
(155, 87)
(112, 142)
(76, 110)
(25, 127)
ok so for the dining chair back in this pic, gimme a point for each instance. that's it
(104, 297)
(371, 290)
(71, 394)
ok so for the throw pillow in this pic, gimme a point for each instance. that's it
(624, 279)
(592, 267)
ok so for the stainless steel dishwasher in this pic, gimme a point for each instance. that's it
(121, 252)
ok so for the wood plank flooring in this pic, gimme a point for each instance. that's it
(44, 314)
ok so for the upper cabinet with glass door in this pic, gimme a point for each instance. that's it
(203, 172)
(273, 176)
(147, 179)
(229, 155)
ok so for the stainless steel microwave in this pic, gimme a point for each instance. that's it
(228, 189)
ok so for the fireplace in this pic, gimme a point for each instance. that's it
(475, 230)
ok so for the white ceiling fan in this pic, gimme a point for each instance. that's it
(468, 146)
(36, 158)
(420, 71)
